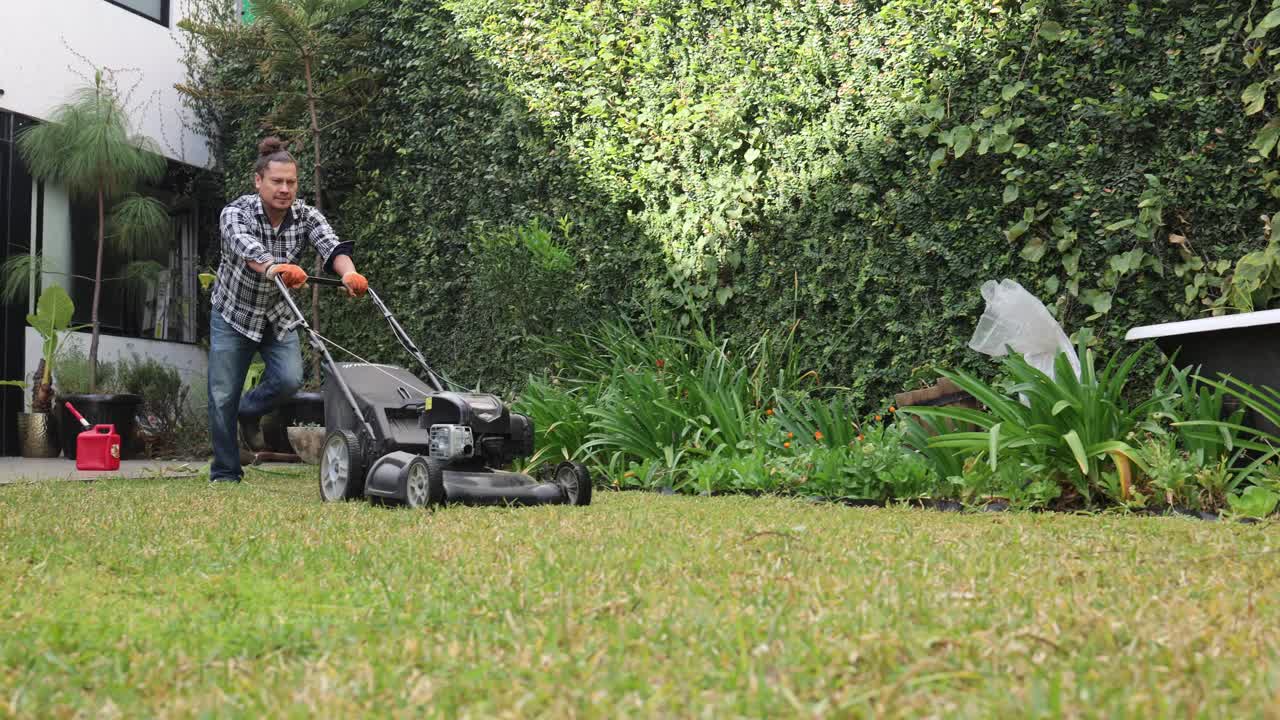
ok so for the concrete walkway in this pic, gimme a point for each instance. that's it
(16, 469)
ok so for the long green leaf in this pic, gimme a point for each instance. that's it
(994, 445)
(1077, 449)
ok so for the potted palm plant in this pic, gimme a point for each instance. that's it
(88, 148)
(36, 429)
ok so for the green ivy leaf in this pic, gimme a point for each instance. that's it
(1121, 225)
(1018, 230)
(1254, 97)
(1020, 150)
(1269, 21)
(964, 140)
(1071, 262)
(723, 295)
(1099, 300)
(751, 155)
(1009, 92)
(1265, 142)
(939, 156)
(1050, 30)
(1034, 250)
(1010, 193)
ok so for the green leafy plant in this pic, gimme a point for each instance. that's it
(71, 370)
(51, 318)
(830, 422)
(1254, 282)
(1219, 480)
(519, 274)
(1170, 472)
(755, 472)
(164, 395)
(1184, 399)
(875, 467)
(1255, 502)
(560, 420)
(1072, 423)
(1262, 400)
(641, 418)
(1025, 484)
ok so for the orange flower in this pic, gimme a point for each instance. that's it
(661, 363)
(790, 435)
(892, 409)
(786, 445)
(769, 411)
(878, 418)
(817, 435)
(860, 438)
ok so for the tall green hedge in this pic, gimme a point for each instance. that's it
(858, 168)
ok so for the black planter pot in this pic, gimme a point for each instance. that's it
(302, 408)
(1245, 346)
(120, 410)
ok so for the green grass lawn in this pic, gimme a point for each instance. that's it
(170, 597)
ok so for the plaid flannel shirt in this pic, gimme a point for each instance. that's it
(247, 300)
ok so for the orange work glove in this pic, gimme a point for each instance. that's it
(355, 283)
(292, 275)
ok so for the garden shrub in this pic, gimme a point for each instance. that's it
(71, 372)
(850, 170)
(164, 400)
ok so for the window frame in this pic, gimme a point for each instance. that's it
(164, 12)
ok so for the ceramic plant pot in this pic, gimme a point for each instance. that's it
(307, 442)
(38, 434)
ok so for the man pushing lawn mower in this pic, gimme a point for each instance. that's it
(264, 236)
(389, 435)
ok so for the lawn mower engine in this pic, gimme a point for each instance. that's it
(406, 442)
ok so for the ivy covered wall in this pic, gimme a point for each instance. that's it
(856, 168)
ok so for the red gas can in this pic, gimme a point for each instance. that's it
(98, 448)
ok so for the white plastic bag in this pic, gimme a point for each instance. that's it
(1015, 319)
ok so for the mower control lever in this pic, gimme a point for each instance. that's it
(333, 282)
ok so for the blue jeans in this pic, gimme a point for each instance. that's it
(230, 355)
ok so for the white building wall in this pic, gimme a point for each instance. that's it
(48, 48)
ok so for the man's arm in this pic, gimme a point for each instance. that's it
(343, 265)
(337, 254)
(238, 237)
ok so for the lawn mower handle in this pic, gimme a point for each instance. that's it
(319, 347)
(405, 341)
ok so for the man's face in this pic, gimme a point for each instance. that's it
(277, 185)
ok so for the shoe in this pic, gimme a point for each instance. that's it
(224, 481)
(251, 433)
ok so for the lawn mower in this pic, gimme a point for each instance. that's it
(393, 437)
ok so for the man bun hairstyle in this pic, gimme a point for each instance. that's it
(272, 149)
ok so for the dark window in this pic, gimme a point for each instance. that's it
(157, 10)
(162, 307)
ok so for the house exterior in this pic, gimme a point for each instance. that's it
(51, 49)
